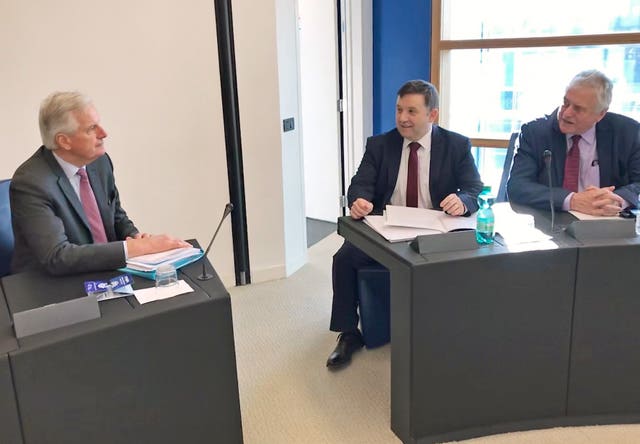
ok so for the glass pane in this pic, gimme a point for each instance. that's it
(490, 162)
(491, 92)
(489, 19)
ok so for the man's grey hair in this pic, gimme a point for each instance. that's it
(424, 88)
(599, 82)
(56, 115)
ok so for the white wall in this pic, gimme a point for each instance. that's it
(151, 68)
(295, 226)
(320, 118)
(266, 152)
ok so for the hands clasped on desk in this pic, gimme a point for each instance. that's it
(597, 201)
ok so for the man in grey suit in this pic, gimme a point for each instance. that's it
(62, 222)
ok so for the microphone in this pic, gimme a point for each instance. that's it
(547, 161)
(206, 276)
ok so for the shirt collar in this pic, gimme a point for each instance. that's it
(69, 169)
(589, 135)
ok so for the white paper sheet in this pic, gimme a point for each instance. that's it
(395, 234)
(156, 293)
(425, 218)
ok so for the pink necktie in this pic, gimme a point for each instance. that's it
(90, 206)
(572, 166)
(412, 175)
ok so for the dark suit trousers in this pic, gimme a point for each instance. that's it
(346, 262)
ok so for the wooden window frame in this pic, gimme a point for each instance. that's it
(440, 49)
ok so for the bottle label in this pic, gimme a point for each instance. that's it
(485, 226)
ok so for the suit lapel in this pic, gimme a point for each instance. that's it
(65, 187)
(393, 165)
(435, 165)
(559, 153)
(604, 148)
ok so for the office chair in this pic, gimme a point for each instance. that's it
(374, 291)
(6, 231)
(506, 169)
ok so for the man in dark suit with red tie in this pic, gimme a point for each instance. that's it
(65, 207)
(595, 154)
(417, 164)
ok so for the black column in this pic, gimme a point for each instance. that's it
(229, 87)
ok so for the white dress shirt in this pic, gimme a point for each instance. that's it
(399, 196)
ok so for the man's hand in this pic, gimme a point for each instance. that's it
(360, 208)
(453, 206)
(139, 236)
(597, 201)
(146, 244)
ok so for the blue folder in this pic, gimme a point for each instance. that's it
(151, 275)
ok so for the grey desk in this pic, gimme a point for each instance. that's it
(480, 340)
(9, 422)
(162, 372)
(604, 384)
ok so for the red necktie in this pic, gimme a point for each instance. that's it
(572, 166)
(412, 175)
(90, 206)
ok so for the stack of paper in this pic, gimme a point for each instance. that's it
(516, 228)
(394, 233)
(150, 262)
(405, 223)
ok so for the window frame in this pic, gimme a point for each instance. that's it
(441, 50)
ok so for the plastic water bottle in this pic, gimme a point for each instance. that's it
(485, 218)
(638, 216)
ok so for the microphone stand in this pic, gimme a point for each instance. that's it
(547, 161)
(206, 276)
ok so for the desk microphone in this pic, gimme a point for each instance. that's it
(206, 276)
(547, 161)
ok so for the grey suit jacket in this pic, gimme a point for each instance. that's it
(50, 228)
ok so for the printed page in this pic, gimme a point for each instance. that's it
(426, 218)
(414, 217)
(393, 233)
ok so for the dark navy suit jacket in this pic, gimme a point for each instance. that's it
(617, 146)
(50, 228)
(451, 170)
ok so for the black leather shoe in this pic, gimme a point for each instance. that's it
(348, 343)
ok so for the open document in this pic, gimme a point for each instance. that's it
(425, 218)
(405, 223)
(393, 233)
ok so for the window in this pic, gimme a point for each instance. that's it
(500, 64)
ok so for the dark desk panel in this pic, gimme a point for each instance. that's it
(9, 422)
(480, 339)
(605, 363)
(162, 372)
(490, 340)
